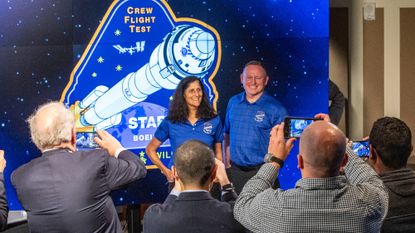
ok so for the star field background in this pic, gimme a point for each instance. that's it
(41, 41)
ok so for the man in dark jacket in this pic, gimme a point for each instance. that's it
(391, 145)
(190, 207)
(66, 190)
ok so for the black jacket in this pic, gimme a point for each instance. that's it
(192, 212)
(401, 214)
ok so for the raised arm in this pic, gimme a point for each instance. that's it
(123, 166)
(249, 205)
(359, 173)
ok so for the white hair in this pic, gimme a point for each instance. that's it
(53, 129)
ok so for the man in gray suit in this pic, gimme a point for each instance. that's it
(323, 200)
(66, 190)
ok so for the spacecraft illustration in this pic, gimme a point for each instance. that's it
(186, 50)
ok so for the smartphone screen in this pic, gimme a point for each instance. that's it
(361, 148)
(294, 126)
(85, 140)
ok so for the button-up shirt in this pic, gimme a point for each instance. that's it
(249, 125)
(356, 202)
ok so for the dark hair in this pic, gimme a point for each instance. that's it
(194, 162)
(256, 63)
(392, 140)
(178, 111)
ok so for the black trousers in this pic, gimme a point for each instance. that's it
(239, 175)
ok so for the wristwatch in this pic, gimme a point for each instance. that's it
(269, 158)
(227, 187)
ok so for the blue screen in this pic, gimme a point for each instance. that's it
(46, 45)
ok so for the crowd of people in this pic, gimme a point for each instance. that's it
(66, 190)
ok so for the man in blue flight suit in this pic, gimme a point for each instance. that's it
(250, 116)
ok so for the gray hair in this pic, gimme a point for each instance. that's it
(50, 125)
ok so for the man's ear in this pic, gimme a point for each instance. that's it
(173, 169)
(345, 160)
(375, 160)
(241, 76)
(73, 137)
(373, 154)
(176, 176)
(300, 162)
(266, 80)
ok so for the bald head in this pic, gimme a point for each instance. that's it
(322, 148)
(51, 125)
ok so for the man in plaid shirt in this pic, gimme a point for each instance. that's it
(323, 200)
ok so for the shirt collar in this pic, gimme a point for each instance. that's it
(196, 123)
(189, 195)
(335, 182)
(243, 98)
(56, 149)
(400, 174)
(194, 190)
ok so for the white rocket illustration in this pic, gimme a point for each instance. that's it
(187, 50)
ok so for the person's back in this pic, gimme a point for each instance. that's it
(65, 190)
(322, 200)
(324, 205)
(401, 211)
(190, 207)
(61, 188)
(390, 148)
(192, 212)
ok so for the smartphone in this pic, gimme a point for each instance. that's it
(294, 126)
(361, 148)
(85, 140)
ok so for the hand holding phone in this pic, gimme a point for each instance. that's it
(294, 126)
(361, 148)
(323, 116)
(108, 142)
(85, 140)
(278, 146)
